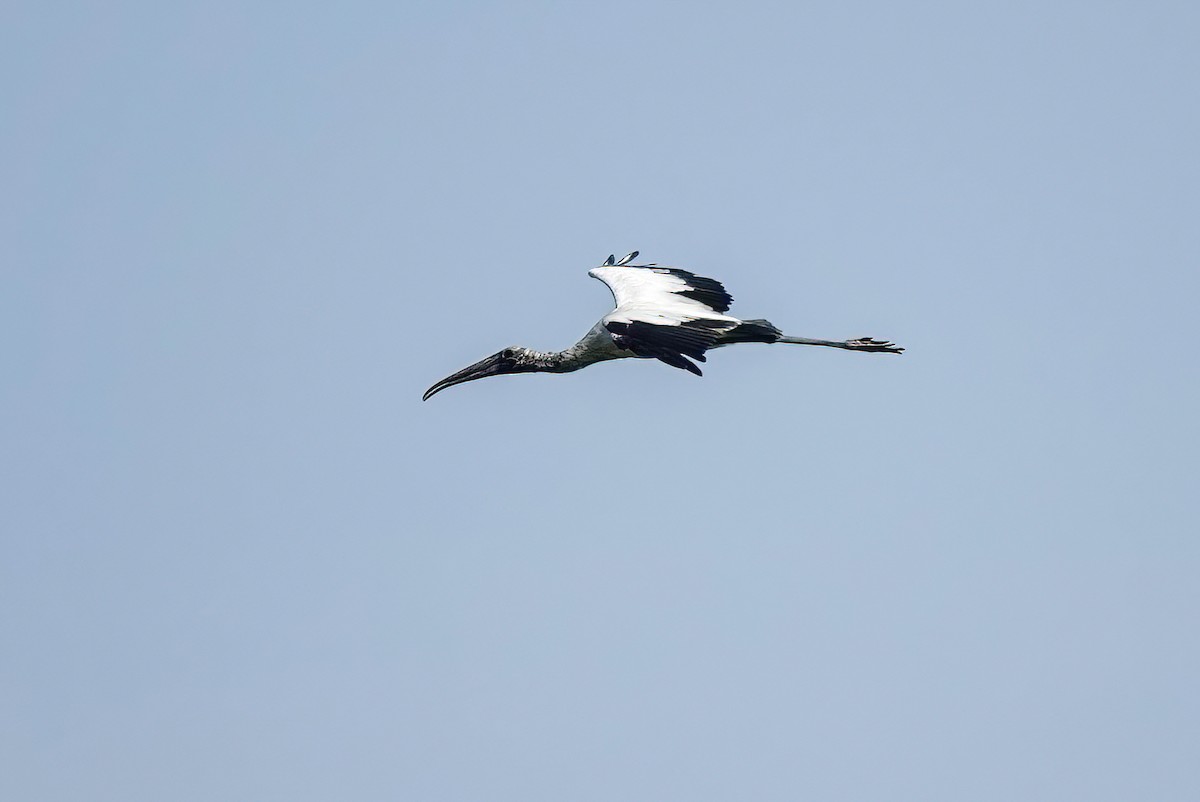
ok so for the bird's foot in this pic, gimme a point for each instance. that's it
(873, 346)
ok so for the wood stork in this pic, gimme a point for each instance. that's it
(662, 313)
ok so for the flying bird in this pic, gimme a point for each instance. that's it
(662, 313)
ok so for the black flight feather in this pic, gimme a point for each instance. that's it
(668, 343)
(707, 291)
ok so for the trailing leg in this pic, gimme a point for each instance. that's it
(866, 344)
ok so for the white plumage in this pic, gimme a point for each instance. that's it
(652, 295)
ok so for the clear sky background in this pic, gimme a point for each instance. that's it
(241, 560)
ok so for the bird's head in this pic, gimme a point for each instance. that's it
(514, 359)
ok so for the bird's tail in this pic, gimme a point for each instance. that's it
(751, 331)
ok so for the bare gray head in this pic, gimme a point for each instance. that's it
(514, 359)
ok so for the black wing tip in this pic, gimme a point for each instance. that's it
(707, 291)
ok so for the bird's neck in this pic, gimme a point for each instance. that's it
(555, 361)
(550, 361)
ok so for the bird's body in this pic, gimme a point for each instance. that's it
(661, 313)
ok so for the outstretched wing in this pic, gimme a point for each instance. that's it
(665, 313)
(666, 288)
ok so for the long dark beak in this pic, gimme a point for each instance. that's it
(494, 365)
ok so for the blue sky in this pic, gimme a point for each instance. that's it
(242, 560)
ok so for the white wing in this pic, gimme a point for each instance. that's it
(663, 295)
